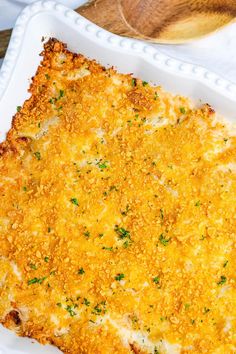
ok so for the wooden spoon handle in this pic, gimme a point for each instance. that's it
(108, 15)
(104, 13)
(4, 41)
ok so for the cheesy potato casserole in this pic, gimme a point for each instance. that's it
(117, 215)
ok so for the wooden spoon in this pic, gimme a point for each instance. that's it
(160, 21)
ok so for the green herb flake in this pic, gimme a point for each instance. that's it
(52, 100)
(33, 266)
(102, 165)
(127, 243)
(113, 188)
(164, 241)
(144, 83)
(206, 310)
(222, 280)
(156, 96)
(156, 280)
(74, 201)
(119, 276)
(87, 234)
(61, 94)
(18, 108)
(86, 302)
(24, 189)
(36, 280)
(225, 263)
(182, 110)
(156, 351)
(225, 140)
(47, 76)
(46, 259)
(49, 229)
(59, 304)
(133, 82)
(129, 123)
(186, 306)
(97, 310)
(81, 271)
(121, 232)
(100, 235)
(107, 248)
(37, 155)
(70, 310)
(198, 203)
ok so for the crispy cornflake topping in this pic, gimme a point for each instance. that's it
(117, 215)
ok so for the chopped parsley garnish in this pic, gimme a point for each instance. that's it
(36, 280)
(47, 76)
(81, 271)
(97, 310)
(46, 259)
(144, 83)
(49, 229)
(156, 96)
(121, 232)
(113, 188)
(127, 243)
(156, 280)
(198, 203)
(37, 155)
(100, 235)
(74, 201)
(102, 165)
(61, 94)
(124, 212)
(24, 188)
(107, 248)
(18, 108)
(206, 310)
(225, 263)
(222, 280)
(33, 266)
(186, 306)
(87, 234)
(133, 82)
(52, 100)
(182, 110)
(164, 241)
(86, 302)
(59, 304)
(69, 309)
(119, 276)
(156, 351)
(225, 140)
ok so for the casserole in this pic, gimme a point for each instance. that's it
(50, 19)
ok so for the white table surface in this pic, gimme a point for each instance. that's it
(216, 52)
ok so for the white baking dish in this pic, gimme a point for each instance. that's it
(46, 18)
